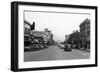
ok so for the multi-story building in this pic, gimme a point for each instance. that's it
(36, 39)
(85, 31)
(27, 36)
(66, 38)
(46, 34)
(27, 26)
(37, 33)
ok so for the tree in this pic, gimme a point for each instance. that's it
(76, 38)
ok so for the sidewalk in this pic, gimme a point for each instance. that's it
(87, 50)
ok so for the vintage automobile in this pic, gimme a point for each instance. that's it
(68, 47)
(62, 46)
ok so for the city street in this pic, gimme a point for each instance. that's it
(55, 53)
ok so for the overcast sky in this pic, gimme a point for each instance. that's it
(60, 24)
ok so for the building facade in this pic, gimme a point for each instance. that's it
(27, 36)
(66, 38)
(34, 40)
(46, 35)
(27, 26)
(85, 31)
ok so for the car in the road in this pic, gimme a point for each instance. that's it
(26, 48)
(62, 46)
(67, 47)
(74, 46)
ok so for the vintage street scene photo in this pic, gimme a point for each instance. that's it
(50, 36)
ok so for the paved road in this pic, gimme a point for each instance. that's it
(55, 53)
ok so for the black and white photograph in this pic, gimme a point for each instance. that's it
(56, 35)
(53, 36)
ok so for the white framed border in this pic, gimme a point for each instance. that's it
(22, 64)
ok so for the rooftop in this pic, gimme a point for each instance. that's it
(84, 22)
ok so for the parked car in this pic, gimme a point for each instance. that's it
(27, 48)
(75, 46)
(62, 46)
(36, 46)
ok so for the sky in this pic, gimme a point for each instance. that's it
(60, 24)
